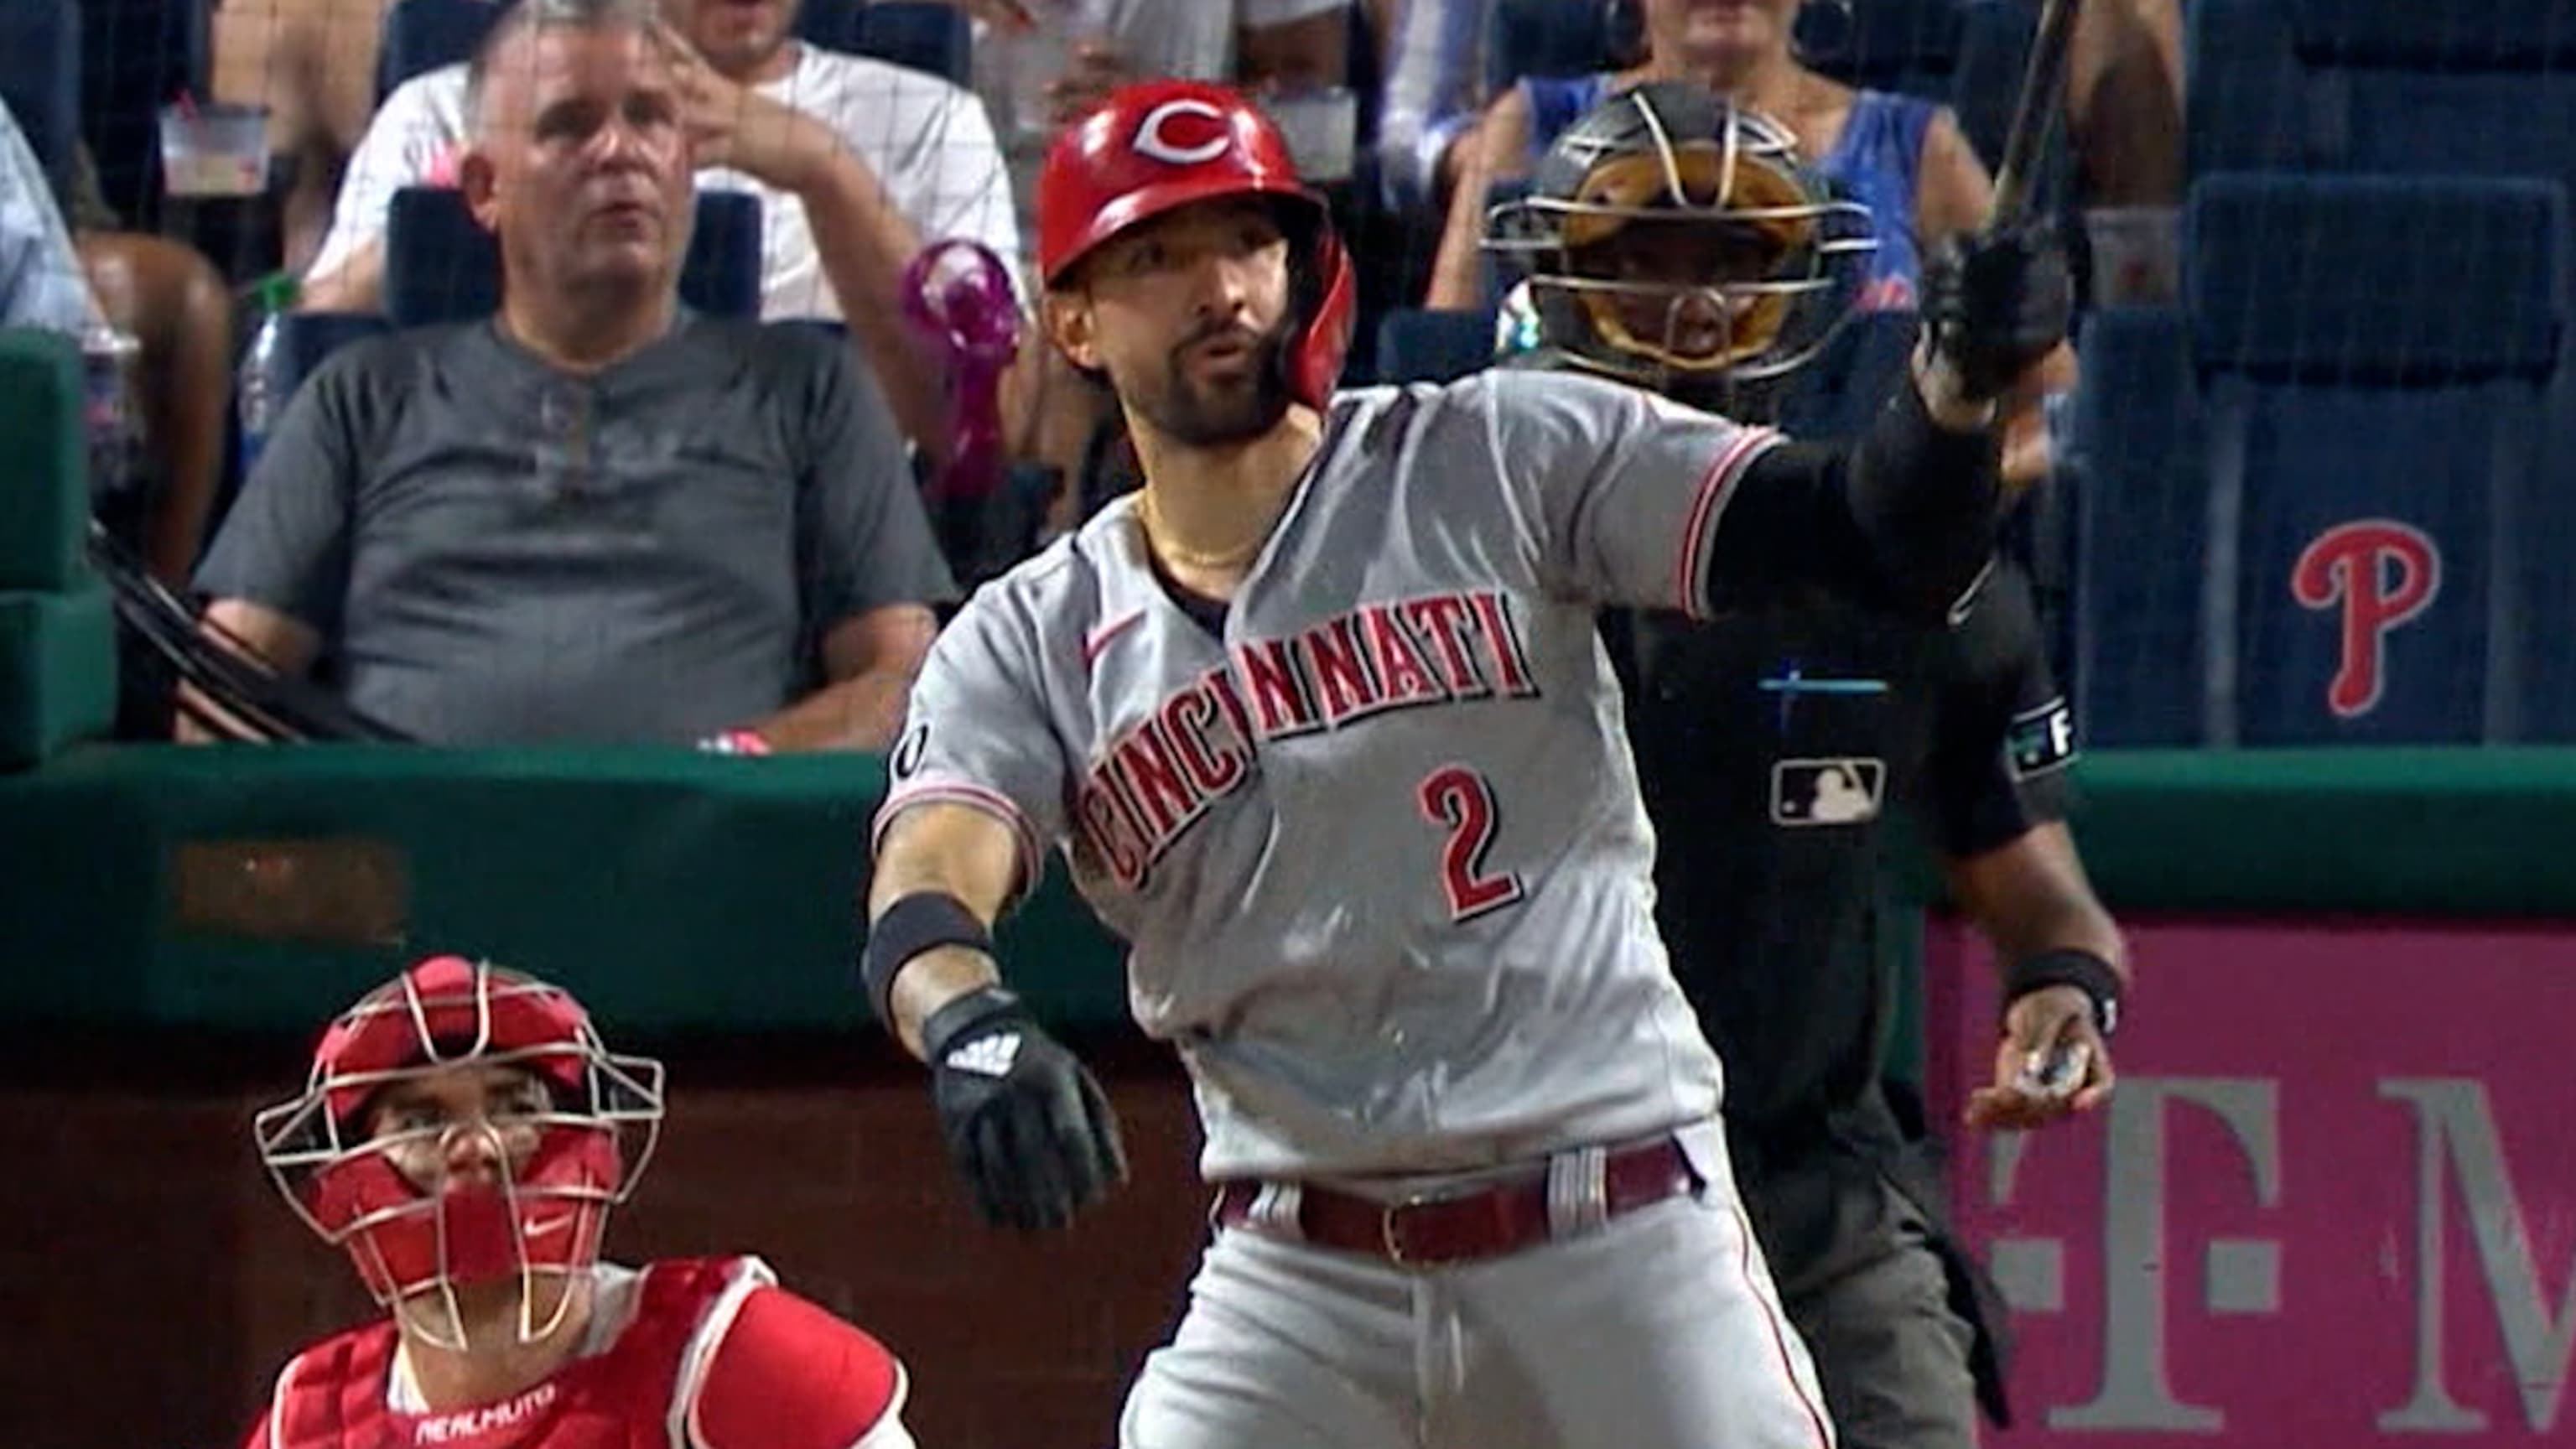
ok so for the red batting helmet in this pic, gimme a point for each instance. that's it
(388, 1198)
(1163, 144)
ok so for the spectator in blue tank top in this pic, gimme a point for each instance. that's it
(1903, 157)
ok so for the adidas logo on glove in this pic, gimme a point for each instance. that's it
(987, 1056)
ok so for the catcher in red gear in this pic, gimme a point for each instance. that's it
(463, 1136)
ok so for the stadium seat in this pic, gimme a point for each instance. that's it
(2133, 465)
(2374, 431)
(40, 80)
(1416, 344)
(421, 36)
(442, 267)
(306, 338)
(2382, 85)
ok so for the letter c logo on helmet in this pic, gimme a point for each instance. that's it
(1155, 138)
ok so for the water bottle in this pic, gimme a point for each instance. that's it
(259, 393)
(108, 359)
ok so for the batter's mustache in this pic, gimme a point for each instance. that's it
(1228, 331)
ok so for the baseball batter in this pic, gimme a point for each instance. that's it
(1320, 720)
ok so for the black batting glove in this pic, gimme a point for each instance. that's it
(1996, 305)
(1027, 1126)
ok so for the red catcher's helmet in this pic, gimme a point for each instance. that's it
(1163, 144)
(386, 1197)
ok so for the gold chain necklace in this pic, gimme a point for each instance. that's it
(1183, 557)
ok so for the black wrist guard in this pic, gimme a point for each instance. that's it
(914, 924)
(970, 1010)
(2083, 970)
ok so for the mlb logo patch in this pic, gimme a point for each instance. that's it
(1827, 792)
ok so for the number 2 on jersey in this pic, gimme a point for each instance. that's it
(1462, 800)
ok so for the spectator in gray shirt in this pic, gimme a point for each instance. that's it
(595, 516)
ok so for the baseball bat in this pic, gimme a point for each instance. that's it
(2035, 116)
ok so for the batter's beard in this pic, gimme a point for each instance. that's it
(1203, 417)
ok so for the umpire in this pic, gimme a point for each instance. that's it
(1675, 242)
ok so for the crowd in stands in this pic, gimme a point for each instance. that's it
(602, 512)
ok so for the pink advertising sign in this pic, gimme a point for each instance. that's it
(2332, 1204)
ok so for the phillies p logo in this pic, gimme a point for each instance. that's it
(2381, 573)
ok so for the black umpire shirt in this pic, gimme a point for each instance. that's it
(1773, 748)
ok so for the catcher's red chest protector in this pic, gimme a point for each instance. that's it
(332, 1396)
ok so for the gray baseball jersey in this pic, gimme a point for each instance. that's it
(1378, 851)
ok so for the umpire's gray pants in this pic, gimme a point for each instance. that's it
(1658, 1330)
(1875, 1311)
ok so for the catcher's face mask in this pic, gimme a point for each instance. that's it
(462, 1125)
(1674, 240)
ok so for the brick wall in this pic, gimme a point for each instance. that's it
(152, 1282)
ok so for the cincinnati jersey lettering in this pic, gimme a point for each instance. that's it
(1160, 777)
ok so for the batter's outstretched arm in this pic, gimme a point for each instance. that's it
(966, 854)
(1917, 501)
(1905, 519)
(1026, 1125)
(1639, 502)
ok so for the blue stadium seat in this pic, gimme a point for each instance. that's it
(426, 35)
(40, 80)
(305, 339)
(2133, 465)
(1416, 344)
(440, 266)
(2374, 424)
(2514, 34)
(2485, 89)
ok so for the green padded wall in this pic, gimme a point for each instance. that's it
(57, 671)
(695, 893)
(44, 463)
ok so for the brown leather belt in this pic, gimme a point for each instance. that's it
(1429, 1231)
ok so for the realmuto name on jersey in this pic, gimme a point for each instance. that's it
(1155, 781)
(465, 1426)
